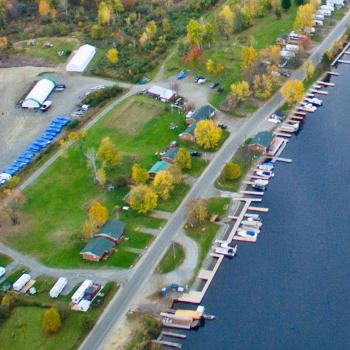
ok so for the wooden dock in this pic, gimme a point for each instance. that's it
(320, 92)
(344, 61)
(259, 209)
(344, 51)
(245, 239)
(281, 134)
(324, 83)
(173, 335)
(335, 73)
(253, 193)
(298, 113)
(285, 160)
(169, 344)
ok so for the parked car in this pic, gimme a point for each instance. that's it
(2, 271)
(201, 81)
(214, 85)
(195, 154)
(45, 106)
(221, 90)
(285, 73)
(222, 126)
(60, 87)
(181, 75)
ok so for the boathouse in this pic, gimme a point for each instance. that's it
(261, 142)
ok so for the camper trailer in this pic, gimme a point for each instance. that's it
(79, 294)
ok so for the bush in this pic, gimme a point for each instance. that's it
(97, 97)
(52, 321)
(231, 171)
(87, 323)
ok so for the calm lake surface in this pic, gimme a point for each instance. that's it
(291, 290)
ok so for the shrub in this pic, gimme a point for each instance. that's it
(97, 97)
(52, 321)
(231, 171)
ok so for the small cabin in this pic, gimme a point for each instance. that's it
(261, 142)
(97, 249)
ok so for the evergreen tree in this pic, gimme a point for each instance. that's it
(286, 4)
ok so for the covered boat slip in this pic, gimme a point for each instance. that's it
(81, 59)
(39, 93)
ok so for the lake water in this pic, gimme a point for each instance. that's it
(291, 290)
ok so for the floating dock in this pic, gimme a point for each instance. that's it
(320, 92)
(253, 193)
(173, 335)
(335, 73)
(259, 209)
(324, 83)
(344, 61)
(169, 344)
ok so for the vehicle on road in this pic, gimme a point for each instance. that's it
(60, 87)
(200, 80)
(181, 75)
(195, 154)
(222, 126)
(45, 106)
(214, 85)
(2, 271)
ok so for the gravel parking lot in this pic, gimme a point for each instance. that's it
(19, 127)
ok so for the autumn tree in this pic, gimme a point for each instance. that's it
(112, 55)
(183, 159)
(226, 20)
(108, 153)
(207, 134)
(241, 90)
(193, 55)
(209, 34)
(98, 214)
(138, 174)
(231, 171)
(214, 67)
(271, 53)
(178, 176)
(101, 176)
(309, 69)
(13, 202)
(143, 199)
(97, 32)
(89, 229)
(44, 8)
(293, 91)
(151, 29)
(165, 25)
(262, 86)
(249, 56)
(104, 13)
(163, 184)
(77, 137)
(304, 17)
(197, 212)
(195, 33)
(51, 321)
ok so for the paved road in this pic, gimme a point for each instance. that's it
(143, 271)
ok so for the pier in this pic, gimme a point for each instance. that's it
(344, 51)
(173, 335)
(324, 83)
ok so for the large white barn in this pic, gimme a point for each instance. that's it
(81, 58)
(39, 93)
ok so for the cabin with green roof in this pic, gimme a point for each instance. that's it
(261, 142)
(112, 230)
(97, 249)
(157, 167)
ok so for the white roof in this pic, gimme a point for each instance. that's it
(163, 93)
(78, 295)
(81, 58)
(39, 93)
(58, 287)
(84, 305)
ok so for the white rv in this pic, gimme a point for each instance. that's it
(79, 294)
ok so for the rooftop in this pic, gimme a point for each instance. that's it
(159, 166)
(262, 138)
(98, 246)
(203, 113)
(113, 229)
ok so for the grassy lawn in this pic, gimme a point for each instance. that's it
(218, 205)
(4, 260)
(23, 329)
(49, 55)
(204, 237)
(175, 198)
(245, 159)
(172, 259)
(138, 240)
(57, 203)
(198, 165)
(14, 276)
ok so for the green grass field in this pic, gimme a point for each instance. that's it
(49, 55)
(172, 259)
(4, 260)
(218, 205)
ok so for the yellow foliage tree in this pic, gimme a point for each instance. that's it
(151, 29)
(108, 152)
(262, 86)
(101, 176)
(226, 19)
(241, 90)
(195, 33)
(104, 13)
(197, 212)
(51, 321)
(166, 25)
(112, 55)
(210, 65)
(293, 91)
(309, 69)
(98, 214)
(143, 39)
(207, 134)
(271, 53)
(139, 174)
(44, 8)
(143, 199)
(249, 56)
(163, 184)
(304, 18)
(183, 159)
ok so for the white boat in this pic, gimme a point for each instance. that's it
(252, 223)
(266, 166)
(290, 127)
(315, 101)
(230, 251)
(247, 234)
(260, 184)
(264, 173)
(249, 228)
(308, 107)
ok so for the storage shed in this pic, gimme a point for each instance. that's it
(162, 93)
(81, 58)
(261, 142)
(39, 93)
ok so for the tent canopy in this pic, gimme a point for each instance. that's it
(39, 93)
(81, 58)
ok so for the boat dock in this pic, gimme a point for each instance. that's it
(259, 209)
(336, 73)
(320, 92)
(344, 51)
(324, 83)
(173, 335)
(252, 193)
(169, 344)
